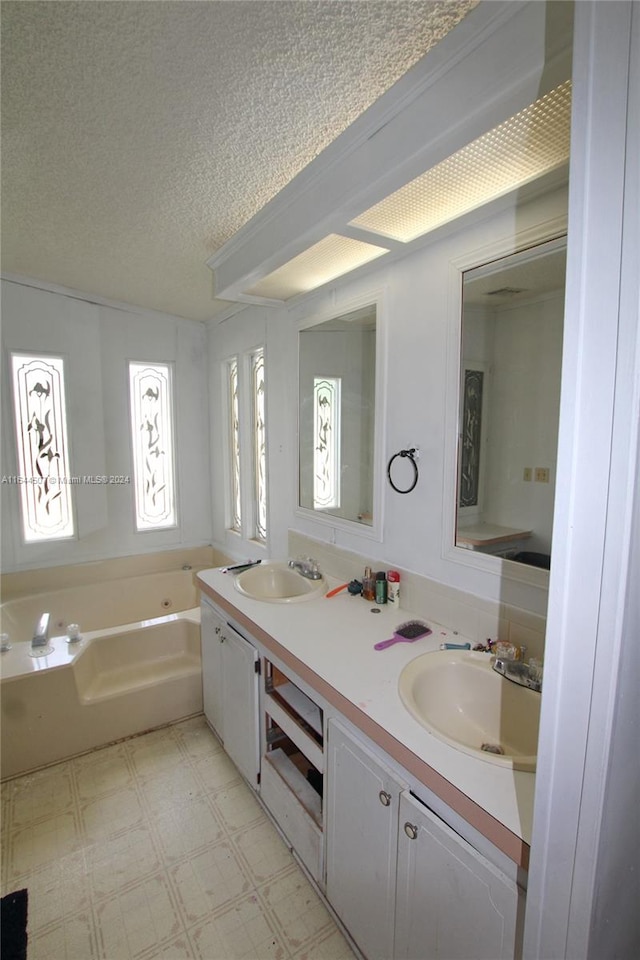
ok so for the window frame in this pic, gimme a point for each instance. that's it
(170, 404)
(247, 452)
(63, 478)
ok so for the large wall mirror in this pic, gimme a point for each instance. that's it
(510, 369)
(336, 418)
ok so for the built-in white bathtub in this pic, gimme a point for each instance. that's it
(137, 667)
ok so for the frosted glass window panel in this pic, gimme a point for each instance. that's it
(471, 437)
(43, 456)
(326, 450)
(259, 444)
(234, 446)
(150, 394)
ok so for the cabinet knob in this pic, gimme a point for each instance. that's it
(411, 830)
(385, 798)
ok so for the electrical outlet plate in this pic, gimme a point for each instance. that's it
(542, 475)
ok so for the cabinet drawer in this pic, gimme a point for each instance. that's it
(289, 724)
(284, 789)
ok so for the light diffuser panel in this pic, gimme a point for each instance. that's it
(528, 145)
(324, 261)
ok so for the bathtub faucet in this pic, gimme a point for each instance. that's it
(41, 632)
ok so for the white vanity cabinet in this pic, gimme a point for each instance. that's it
(451, 903)
(404, 884)
(362, 841)
(230, 664)
(212, 626)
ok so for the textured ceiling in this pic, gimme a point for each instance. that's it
(137, 137)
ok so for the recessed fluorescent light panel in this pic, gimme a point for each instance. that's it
(528, 145)
(324, 261)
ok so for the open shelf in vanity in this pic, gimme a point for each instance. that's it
(292, 769)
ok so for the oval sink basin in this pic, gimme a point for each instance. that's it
(458, 697)
(277, 583)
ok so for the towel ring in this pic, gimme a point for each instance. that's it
(410, 454)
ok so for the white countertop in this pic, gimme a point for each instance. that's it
(334, 638)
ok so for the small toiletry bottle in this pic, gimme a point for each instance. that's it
(393, 587)
(368, 585)
(381, 587)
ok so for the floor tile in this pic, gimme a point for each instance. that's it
(136, 920)
(154, 754)
(41, 843)
(237, 808)
(196, 739)
(332, 946)
(242, 932)
(109, 815)
(122, 861)
(208, 881)
(102, 771)
(296, 909)
(70, 939)
(173, 787)
(263, 851)
(41, 795)
(184, 829)
(57, 891)
(216, 771)
(155, 848)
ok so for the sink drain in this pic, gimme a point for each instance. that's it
(492, 748)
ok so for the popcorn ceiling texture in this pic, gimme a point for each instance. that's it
(137, 137)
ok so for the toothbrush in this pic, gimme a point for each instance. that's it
(242, 566)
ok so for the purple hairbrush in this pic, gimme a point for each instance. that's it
(405, 633)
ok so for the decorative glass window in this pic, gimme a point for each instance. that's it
(259, 444)
(153, 453)
(471, 438)
(326, 452)
(234, 444)
(43, 456)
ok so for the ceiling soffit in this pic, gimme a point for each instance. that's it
(493, 66)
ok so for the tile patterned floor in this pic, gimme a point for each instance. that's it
(155, 849)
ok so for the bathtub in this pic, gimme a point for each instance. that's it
(137, 666)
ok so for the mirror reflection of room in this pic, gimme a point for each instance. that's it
(337, 384)
(511, 355)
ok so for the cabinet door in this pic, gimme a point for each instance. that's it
(452, 904)
(362, 835)
(240, 703)
(212, 628)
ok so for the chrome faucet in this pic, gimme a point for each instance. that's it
(306, 567)
(526, 674)
(41, 633)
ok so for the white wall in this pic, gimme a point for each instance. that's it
(420, 366)
(96, 342)
(523, 416)
(239, 336)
